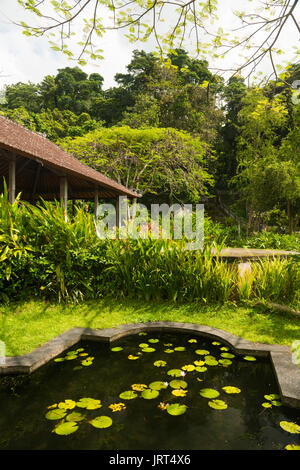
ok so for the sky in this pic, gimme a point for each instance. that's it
(26, 59)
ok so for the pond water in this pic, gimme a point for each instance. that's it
(66, 404)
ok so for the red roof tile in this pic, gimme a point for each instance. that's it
(22, 141)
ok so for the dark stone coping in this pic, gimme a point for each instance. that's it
(287, 373)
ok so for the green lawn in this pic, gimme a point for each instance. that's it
(27, 325)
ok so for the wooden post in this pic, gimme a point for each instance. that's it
(96, 203)
(118, 213)
(12, 179)
(64, 194)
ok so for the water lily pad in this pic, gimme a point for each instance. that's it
(143, 333)
(150, 394)
(178, 384)
(117, 349)
(227, 355)
(179, 392)
(132, 358)
(159, 385)
(175, 372)
(211, 362)
(143, 345)
(67, 405)
(216, 343)
(218, 404)
(267, 404)
(153, 340)
(79, 350)
(139, 387)
(148, 350)
(202, 352)
(192, 340)
(169, 351)
(89, 403)
(201, 369)
(176, 409)
(188, 367)
(199, 363)
(59, 359)
(276, 403)
(179, 348)
(77, 367)
(209, 393)
(128, 395)
(63, 429)
(101, 422)
(224, 348)
(75, 416)
(292, 447)
(230, 389)
(272, 396)
(225, 362)
(249, 358)
(292, 428)
(86, 363)
(55, 414)
(160, 363)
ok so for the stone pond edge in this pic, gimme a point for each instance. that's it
(287, 373)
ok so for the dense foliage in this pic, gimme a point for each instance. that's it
(41, 255)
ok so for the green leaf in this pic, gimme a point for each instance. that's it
(292, 447)
(117, 349)
(149, 394)
(176, 409)
(55, 414)
(148, 350)
(75, 416)
(175, 372)
(178, 384)
(160, 363)
(101, 422)
(230, 389)
(202, 352)
(249, 358)
(218, 404)
(159, 385)
(128, 395)
(292, 428)
(89, 403)
(63, 429)
(209, 393)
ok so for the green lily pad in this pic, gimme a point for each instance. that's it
(209, 393)
(188, 367)
(201, 369)
(169, 351)
(117, 349)
(178, 384)
(179, 348)
(75, 416)
(292, 428)
(216, 343)
(160, 363)
(159, 385)
(128, 395)
(86, 363)
(89, 403)
(227, 355)
(267, 404)
(225, 362)
(249, 358)
(143, 333)
(143, 345)
(202, 352)
(211, 362)
(149, 394)
(79, 350)
(175, 372)
(292, 447)
(63, 429)
(192, 340)
(176, 409)
(224, 348)
(218, 404)
(276, 403)
(148, 350)
(230, 389)
(101, 422)
(59, 359)
(153, 340)
(272, 396)
(67, 405)
(57, 413)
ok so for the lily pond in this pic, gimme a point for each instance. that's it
(148, 391)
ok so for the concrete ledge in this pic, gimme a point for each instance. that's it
(287, 373)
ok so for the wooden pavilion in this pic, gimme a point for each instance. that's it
(36, 167)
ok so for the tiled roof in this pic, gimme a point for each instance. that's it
(22, 141)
